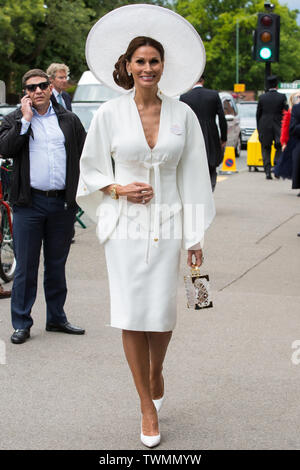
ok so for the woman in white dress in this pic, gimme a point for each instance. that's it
(143, 208)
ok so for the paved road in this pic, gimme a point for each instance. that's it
(230, 379)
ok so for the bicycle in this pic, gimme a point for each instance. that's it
(7, 257)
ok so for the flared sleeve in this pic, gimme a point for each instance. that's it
(194, 185)
(96, 169)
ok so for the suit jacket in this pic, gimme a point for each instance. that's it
(206, 104)
(295, 121)
(295, 136)
(269, 116)
(67, 99)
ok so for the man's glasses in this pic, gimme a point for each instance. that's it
(43, 86)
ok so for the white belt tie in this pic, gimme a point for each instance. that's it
(157, 191)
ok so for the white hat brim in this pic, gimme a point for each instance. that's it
(184, 50)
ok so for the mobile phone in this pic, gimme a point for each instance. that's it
(25, 94)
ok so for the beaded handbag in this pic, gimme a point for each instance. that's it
(197, 289)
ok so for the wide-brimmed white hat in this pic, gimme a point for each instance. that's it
(184, 50)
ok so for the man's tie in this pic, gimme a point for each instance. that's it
(60, 100)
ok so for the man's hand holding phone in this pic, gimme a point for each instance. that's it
(26, 108)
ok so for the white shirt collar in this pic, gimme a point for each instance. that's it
(50, 111)
(55, 92)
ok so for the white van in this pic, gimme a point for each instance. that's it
(90, 90)
(88, 96)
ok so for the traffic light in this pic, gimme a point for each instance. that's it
(266, 38)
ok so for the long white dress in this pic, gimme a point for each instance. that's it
(142, 242)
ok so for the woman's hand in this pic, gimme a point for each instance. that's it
(283, 147)
(198, 255)
(139, 193)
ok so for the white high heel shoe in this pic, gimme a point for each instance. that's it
(149, 441)
(158, 403)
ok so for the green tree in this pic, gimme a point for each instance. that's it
(18, 23)
(216, 23)
(34, 33)
(103, 6)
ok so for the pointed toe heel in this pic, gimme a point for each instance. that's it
(150, 441)
(158, 403)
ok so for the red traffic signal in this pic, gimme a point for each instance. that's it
(266, 20)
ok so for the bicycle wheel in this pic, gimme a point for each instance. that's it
(7, 257)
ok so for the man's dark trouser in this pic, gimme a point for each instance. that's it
(213, 176)
(45, 221)
(266, 154)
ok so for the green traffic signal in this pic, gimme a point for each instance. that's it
(266, 39)
(265, 53)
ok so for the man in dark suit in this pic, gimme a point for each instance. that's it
(268, 117)
(58, 75)
(45, 142)
(206, 104)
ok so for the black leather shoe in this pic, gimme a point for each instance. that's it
(20, 336)
(65, 328)
(269, 176)
(298, 234)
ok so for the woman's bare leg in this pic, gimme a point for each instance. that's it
(158, 345)
(136, 348)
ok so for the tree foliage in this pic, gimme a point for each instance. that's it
(34, 33)
(216, 23)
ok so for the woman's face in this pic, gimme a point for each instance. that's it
(296, 98)
(146, 67)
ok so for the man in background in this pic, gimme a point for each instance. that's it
(268, 117)
(58, 75)
(206, 104)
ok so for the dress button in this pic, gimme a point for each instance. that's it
(156, 239)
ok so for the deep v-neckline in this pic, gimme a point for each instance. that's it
(141, 124)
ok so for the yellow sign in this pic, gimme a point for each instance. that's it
(254, 155)
(239, 87)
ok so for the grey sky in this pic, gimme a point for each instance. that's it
(293, 5)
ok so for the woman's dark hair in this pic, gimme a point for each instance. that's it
(120, 74)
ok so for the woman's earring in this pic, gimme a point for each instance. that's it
(129, 74)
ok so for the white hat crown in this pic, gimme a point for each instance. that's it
(111, 35)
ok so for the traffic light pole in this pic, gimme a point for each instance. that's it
(237, 54)
(267, 73)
